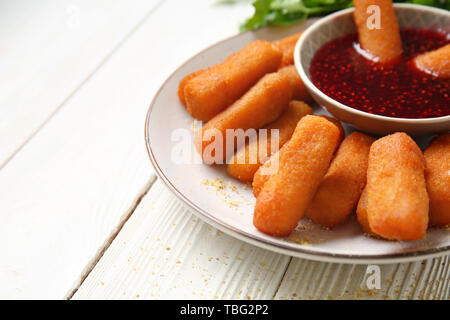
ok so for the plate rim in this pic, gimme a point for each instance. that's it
(254, 239)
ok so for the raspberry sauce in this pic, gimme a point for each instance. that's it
(396, 90)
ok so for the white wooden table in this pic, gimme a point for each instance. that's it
(82, 214)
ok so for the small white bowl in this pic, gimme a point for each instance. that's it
(341, 23)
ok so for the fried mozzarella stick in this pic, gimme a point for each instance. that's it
(361, 212)
(435, 62)
(264, 172)
(437, 174)
(213, 90)
(378, 30)
(338, 124)
(397, 199)
(287, 46)
(303, 161)
(343, 183)
(247, 160)
(183, 83)
(299, 90)
(262, 104)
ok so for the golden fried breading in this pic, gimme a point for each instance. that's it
(262, 104)
(219, 86)
(437, 174)
(435, 62)
(247, 160)
(397, 199)
(303, 161)
(383, 42)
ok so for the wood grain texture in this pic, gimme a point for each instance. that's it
(65, 193)
(428, 279)
(165, 252)
(48, 50)
(76, 182)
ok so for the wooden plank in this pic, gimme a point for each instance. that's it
(165, 252)
(65, 193)
(48, 50)
(428, 279)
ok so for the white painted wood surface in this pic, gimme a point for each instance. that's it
(428, 279)
(68, 189)
(164, 252)
(74, 168)
(48, 50)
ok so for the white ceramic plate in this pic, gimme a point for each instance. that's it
(231, 209)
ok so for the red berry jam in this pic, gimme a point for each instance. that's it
(396, 90)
